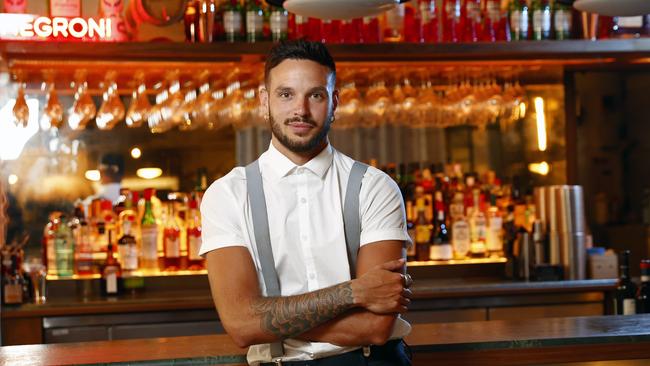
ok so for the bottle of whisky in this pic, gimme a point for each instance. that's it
(643, 295)
(422, 233)
(441, 248)
(625, 299)
(111, 281)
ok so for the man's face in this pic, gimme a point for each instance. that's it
(300, 101)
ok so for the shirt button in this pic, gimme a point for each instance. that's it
(303, 200)
(312, 276)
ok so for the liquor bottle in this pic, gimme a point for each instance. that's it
(413, 31)
(541, 19)
(411, 252)
(562, 21)
(624, 301)
(457, 207)
(12, 281)
(494, 237)
(394, 24)
(478, 229)
(430, 21)
(314, 30)
(171, 241)
(371, 30)
(643, 295)
(441, 248)
(83, 253)
(519, 20)
(422, 233)
(297, 26)
(191, 21)
(111, 281)
(492, 29)
(279, 26)
(460, 237)
(127, 246)
(232, 21)
(129, 214)
(149, 233)
(49, 237)
(254, 21)
(452, 20)
(195, 261)
(109, 218)
(332, 32)
(473, 21)
(352, 31)
(64, 245)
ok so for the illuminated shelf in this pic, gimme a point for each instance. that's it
(144, 274)
(490, 260)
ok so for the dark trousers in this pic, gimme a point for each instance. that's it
(392, 353)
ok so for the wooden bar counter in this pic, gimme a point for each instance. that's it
(533, 341)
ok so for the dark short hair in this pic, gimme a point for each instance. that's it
(299, 49)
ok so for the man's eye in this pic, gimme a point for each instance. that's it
(317, 96)
(284, 95)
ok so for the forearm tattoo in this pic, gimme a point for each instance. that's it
(289, 316)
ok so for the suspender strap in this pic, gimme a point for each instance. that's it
(351, 223)
(351, 215)
(262, 238)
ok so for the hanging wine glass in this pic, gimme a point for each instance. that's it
(154, 119)
(200, 109)
(53, 112)
(170, 109)
(350, 102)
(83, 109)
(188, 120)
(213, 117)
(21, 110)
(377, 100)
(140, 107)
(112, 110)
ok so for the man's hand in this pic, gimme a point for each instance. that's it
(382, 290)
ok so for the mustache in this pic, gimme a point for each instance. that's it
(308, 121)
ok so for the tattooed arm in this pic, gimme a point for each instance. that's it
(359, 326)
(250, 318)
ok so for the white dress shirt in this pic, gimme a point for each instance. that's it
(305, 211)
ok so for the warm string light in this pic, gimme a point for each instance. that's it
(149, 173)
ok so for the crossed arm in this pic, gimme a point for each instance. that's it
(353, 313)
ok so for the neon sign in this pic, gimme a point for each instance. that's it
(79, 28)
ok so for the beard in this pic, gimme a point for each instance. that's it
(299, 146)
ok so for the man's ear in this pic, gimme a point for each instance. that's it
(263, 96)
(335, 100)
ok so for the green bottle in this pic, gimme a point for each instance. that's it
(64, 248)
(541, 20)
(562, 21)
(232, 21)
(149, 227)
(519, 16)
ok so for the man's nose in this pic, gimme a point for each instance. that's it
(301, 108)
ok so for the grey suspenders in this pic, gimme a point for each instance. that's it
(351, 224)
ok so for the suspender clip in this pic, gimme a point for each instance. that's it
(278, 362)
(366, 351)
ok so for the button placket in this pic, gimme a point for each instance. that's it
(305, 232)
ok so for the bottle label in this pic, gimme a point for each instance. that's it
(523, 23)
(129, 256)
(254, 22)
(194, 244)
(494, 10)
(279, 22)
(473, 12)
(441, 252)
(13, 293)
(515, 22)
(111, 281)
(562, 21)
(150, 243)
(542, 21)
(629, 306)
(493, 240)
(456, 211)
(422, 234)
(232, 22)
(645, 278)
(65, 8)
(172, 247)
(460, 238)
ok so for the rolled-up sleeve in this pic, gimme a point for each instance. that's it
(382, 210)
(221, 225)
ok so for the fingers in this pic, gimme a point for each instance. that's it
(406, 293)
(393, 265)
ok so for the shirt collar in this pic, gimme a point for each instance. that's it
(282, 166)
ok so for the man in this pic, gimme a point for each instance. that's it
(321, 315)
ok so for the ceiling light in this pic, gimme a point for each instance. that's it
(149, 173)
(93, 175)
(136, 153)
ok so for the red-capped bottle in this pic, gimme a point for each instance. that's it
(352, 31)
(452, 20)
(371, 30)
(111, 281)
